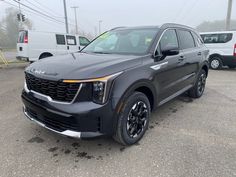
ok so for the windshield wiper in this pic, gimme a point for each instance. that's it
(101, 52)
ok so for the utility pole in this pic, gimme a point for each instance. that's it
(66, 20)
(76, 23)
(99, 26)
(95, 31)
(228, 18)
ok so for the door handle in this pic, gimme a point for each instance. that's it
(68, 47)
(199, 53)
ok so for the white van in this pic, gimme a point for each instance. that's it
(35, 45)
(222, 46)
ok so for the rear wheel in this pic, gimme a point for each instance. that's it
(133, 119)
(216, 63)
(199, 86)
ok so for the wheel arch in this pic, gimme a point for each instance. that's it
(205, 68)
(45, 54)
(148, 92)
(144, 86)
(215, 55)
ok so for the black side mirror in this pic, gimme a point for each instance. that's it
(166, 51)
(170, 51)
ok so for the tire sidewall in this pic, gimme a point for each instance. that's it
(132, 99)
(198, 93)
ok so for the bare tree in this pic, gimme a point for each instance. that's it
(9, 28)
(218, 25)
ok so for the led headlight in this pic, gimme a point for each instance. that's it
(100, 87)
(99, 92)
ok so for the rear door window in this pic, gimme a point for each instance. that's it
(216, 38)
(186, 39)
(60, 39)
(71, 40)
(197, 39)
(22, 35)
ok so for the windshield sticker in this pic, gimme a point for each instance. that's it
(104, 36)
(148, 40)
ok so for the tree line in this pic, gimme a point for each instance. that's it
(218, 25)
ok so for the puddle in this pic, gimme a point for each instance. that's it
(52, 149)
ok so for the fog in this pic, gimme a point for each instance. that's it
(123, 13)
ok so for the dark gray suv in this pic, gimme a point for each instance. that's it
(113, 84)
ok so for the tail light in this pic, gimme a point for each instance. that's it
(234, 49)
(25, 38)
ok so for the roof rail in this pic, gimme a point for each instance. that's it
(118, 27)
(165, 25)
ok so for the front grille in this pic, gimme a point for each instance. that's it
(57, 90)
(60, 125)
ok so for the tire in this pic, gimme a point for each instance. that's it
(216, 62)
(132, 117)
(199, 87)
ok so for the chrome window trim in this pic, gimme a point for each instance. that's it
(161, 37)
(173, 28)
(48, 98)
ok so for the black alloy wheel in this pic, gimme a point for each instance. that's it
(133, 119)
(198, 89)
(201, 83)
(137, 119)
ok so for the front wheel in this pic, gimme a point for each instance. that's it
(133, 119)
(199, 86)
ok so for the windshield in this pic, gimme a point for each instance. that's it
(125, 41)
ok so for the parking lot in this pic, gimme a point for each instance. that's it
(186, 137)
(10, 55)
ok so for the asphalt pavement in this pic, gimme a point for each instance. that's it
(10, 55)
(186, 137)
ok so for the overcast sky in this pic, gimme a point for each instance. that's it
(124, 12)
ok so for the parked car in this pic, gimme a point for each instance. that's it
(35, 45)
(222, 46)
(113, 84)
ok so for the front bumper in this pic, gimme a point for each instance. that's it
(79, 120)
(66, 132)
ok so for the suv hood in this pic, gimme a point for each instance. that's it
(82, 65)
